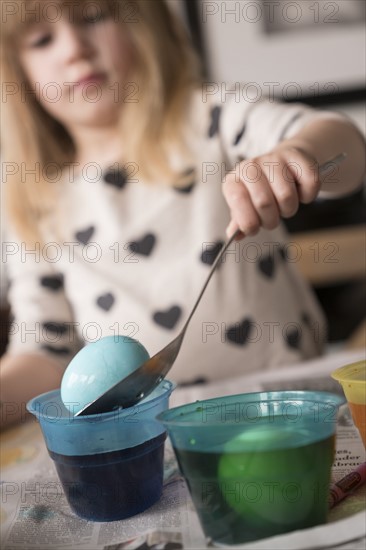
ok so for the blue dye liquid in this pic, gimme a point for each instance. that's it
(114, 485)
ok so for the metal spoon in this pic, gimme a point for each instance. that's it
(140, 383)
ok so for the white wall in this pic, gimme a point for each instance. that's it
(319, 53)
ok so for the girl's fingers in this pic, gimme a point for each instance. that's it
(251, 199)
(285, 191)
(303, 169)
(264, 201)
(231, 229)
(243, 213)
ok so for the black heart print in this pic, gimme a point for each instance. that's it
(239, 333)
(185, 190)
(293, 338)
(85, 235)
(239, 135)
(282, 253)
(305, 318)
(215, 121)
(106, 301)
(52, 282)
(189, 187)
(117, 178)
(144, 246)
(267, 266)
(168, 318)
(208, 256)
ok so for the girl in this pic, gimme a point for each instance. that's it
(123, 173)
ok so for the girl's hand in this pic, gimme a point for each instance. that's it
(262, 190)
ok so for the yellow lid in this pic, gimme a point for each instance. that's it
(353, 380)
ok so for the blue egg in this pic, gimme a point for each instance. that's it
(99, 366)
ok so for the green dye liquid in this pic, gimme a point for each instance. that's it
(245, 496)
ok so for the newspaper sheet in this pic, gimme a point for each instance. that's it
(36, 515)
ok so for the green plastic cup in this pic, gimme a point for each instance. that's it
(256, 464)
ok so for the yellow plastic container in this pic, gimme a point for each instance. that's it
(353, 380)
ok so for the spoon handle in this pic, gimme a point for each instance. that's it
(335, 161)
(225, 246)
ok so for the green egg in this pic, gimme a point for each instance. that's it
(265, 479)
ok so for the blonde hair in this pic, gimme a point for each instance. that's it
(165, 70)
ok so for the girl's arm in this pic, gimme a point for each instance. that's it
(22, 377)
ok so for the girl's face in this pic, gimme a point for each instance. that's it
(77, 65)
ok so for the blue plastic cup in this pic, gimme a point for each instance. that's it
(256, 464)
(110, 464)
